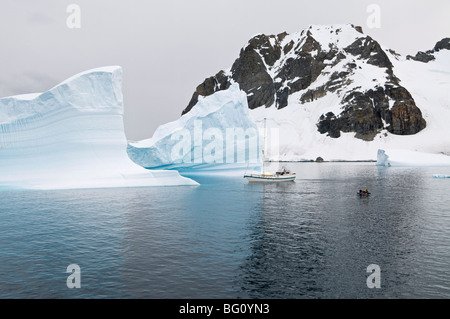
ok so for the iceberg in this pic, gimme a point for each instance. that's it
(217, 136)
(399, 157)
(382, 158)
(72, 136)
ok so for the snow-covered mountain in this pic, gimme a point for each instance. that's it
(335, 92)
(72, 137)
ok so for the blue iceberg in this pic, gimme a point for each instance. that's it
(72, 136)
(217, 136)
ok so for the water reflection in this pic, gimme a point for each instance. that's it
(312, 238)
(189, 243)
(282, 263)
(315, 237)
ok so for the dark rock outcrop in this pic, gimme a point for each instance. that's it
(366, 113)
(428, 56)
(211, 85)
(444, 44)
(422, 57)
(251, 73)
(404, 118)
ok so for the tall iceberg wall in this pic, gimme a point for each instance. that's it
(72, 136)
(217, 135)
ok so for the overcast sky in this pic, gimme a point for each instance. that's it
(167, 48)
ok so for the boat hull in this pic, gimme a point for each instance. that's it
(269, 179)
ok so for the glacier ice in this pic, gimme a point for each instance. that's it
(401, 157)
(72, 136)
(441, 176)
(382, 158)
(216, 136)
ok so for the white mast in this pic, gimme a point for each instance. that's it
(263, 150)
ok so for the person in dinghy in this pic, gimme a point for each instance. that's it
(363, 192)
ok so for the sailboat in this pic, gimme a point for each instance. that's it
(283, 175)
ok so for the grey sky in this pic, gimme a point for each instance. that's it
(167, 48)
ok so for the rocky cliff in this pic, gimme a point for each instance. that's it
(429, 55)
(277, 71)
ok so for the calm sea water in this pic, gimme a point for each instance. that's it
(313, 238)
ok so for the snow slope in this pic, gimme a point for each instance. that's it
(217, 135)
(428, 84)
(72, 137)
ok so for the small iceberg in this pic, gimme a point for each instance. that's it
(440, 176)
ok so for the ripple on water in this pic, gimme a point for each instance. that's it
(313, 238)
